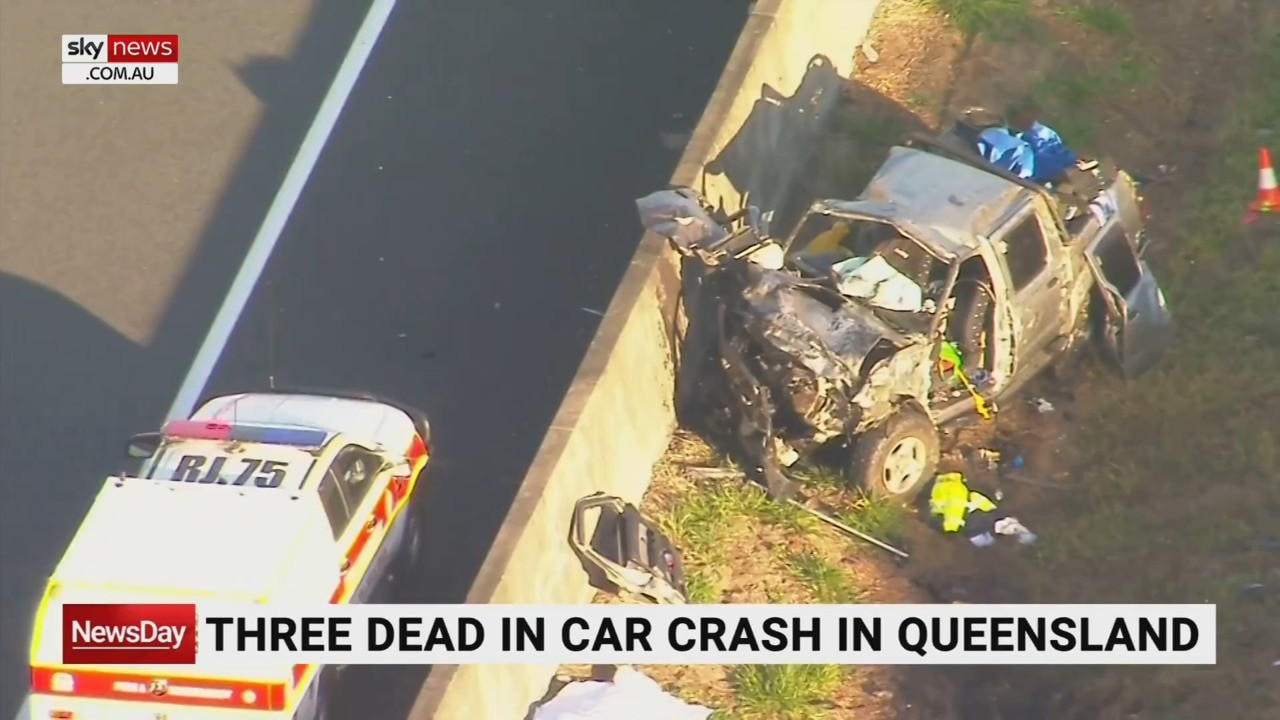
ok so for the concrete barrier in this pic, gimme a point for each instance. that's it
(785, 73)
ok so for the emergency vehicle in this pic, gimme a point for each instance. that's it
(266, 497)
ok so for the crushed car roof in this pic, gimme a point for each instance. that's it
(944, 203)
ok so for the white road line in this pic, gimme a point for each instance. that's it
(273, 225)
(286, 197)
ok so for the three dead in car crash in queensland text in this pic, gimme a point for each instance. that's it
(940, 291)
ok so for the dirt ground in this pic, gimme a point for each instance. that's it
(1163, 490)
(1164, 88)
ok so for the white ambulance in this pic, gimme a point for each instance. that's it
(258, 498)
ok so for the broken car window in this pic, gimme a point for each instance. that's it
(345, 485)
(335, 507)
(869, 260)
(1026, 253)
(1117, 261)
(821, 234)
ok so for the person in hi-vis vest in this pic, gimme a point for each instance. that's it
(956, 508)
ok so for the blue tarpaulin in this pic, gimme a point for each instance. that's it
(1053, 157)
(1007, 151)
(1036, 154)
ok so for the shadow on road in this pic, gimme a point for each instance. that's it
(72, 388)
(63, 374)
(511, 155)
(290, 90)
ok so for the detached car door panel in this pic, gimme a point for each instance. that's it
(1138, 326)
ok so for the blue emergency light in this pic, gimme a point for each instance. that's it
(264, 434)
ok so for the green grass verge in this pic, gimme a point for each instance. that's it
(1182, 476)
(828, 583)
(1099, 16)
(784, 692)
(1180, 485)
(738, 543)
(998, 19)
(701, 523)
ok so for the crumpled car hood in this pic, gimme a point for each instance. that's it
(829, 342)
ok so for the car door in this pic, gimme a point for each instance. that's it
(1137, 324)
(1032, 263)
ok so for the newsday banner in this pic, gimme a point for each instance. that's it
(233, 636)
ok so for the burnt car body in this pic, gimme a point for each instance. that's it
(834, 343)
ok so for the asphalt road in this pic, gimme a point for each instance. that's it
(475, 197)
(124, 213)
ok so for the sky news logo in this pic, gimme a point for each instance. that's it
(119, 59)
(128, 634)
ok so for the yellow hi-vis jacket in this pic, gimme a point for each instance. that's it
(951, 499)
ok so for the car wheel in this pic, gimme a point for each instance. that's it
(896, 458)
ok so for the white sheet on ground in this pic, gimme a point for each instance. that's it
(631, 696)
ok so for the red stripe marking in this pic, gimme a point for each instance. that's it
(102, 685)
(394, 497)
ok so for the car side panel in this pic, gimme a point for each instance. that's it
(1056, 301)
(1006, 340)
(1038, 306)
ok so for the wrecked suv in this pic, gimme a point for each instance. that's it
(939, 292)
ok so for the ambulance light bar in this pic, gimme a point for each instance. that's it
(265, 434)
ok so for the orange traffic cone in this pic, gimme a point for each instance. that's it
(1268, 192)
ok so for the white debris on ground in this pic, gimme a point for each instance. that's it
(630, 696)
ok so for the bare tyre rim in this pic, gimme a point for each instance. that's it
(904, 465)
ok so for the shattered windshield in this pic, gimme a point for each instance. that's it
(869, 261)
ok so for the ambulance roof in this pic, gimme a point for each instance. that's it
(186, 539)
(365, 420)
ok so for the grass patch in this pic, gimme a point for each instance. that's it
(700, 521)
(998, 19)
(878, 517)
(1075, 99)
(1182, 479)
(784, 692)
(701, 588)
(1064, 97)
(829, 583)
(821, 477)
(739, 546)
(1098, 16)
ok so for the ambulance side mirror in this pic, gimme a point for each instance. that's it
(143, 445)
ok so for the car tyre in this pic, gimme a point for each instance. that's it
(897, 458)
